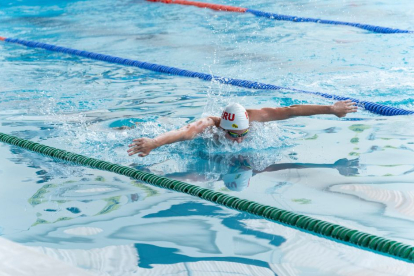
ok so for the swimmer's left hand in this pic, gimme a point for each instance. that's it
(143, 146)
(340, 109)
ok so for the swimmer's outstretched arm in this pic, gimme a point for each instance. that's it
(143, 146)
(340, 109)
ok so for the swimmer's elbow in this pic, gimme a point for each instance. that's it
(290, 111)
(278, 113)
(189, 132)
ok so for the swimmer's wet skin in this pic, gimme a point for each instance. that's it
(235, 121)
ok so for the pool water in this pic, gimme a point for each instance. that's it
(357, 171)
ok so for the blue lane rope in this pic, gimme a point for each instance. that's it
(372, 107)
(218, 7)
(372, 28)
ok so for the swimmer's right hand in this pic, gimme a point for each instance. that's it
(143, 146)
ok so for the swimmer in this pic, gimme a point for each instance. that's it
(235, 121)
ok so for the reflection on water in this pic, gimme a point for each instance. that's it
(236, 170)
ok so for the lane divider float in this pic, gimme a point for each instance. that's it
(216, 7)
(301, 222)
(275, 16)
(370, 106)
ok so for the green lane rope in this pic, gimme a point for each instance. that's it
(302, 222)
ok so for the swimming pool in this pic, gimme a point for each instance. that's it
(356, 172)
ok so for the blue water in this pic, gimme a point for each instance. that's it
(356, 171)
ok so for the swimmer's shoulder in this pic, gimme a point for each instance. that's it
(213, 121)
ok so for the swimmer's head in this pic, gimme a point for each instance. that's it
(235, 121)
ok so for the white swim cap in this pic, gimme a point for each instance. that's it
(234, 117)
